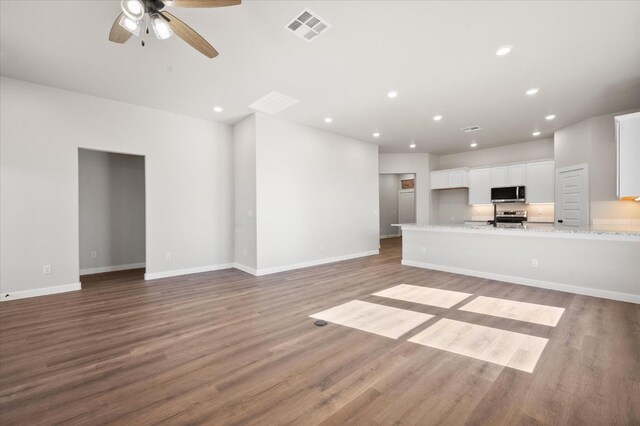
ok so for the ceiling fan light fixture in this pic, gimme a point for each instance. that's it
(134, 9)
(161, 27)
(130, 25)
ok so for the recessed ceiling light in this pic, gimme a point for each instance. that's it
(504, 50)
(376, 135)
(218, 109)
(533, 91)
(550, 117)
(413, 145)
(473, 144)
(437, 117)
(392, 94)
(536, 133)
(328, 120)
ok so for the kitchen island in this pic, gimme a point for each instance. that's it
(599, 261)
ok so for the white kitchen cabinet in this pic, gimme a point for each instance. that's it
(440, 179)
(511, 175)
(540, 182)
(458, 178)
(628, 147)
(480, 186)
(450, 178)
(517, 175)
(499, 177)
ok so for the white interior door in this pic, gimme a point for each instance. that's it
(572, 207)
(407, 206)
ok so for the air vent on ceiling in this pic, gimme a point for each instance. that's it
(273, 103)
(307, 25)
(470, 129)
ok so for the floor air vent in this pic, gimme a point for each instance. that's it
(307, 25)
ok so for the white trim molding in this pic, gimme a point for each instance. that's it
(284, 268)
(384, 237)
(187, 271)
(101, 269)
(605, 294)
(246, 269)
(39, 292)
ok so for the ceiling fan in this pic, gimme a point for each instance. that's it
(137, 14)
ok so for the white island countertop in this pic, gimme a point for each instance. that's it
(603, 232)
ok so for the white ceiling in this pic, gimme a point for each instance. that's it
(584, 56)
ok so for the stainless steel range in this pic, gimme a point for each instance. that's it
(511, 216)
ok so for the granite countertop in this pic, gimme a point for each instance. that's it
(535, 228)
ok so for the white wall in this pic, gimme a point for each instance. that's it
(421, 165)
(515, 153)
(388, 186)
(244, 162)
(189, 183)
(593, 141)
(111, 197)
(317, 196)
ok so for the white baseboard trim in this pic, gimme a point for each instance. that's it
(187, 271)
(39, 292)
(384, 237)
(276, 269)
(102, 269)
(245, 269)
(568, 288)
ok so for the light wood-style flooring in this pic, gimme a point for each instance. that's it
(227, 348)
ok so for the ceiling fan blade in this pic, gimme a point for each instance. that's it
(119, 34)
(187, 33)
(202, 3)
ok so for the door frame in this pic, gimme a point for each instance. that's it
(415, 197)
(146, 200)
(584, 181)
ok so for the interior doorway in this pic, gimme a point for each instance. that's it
(572, 188)
(111, 192)
(397, 202)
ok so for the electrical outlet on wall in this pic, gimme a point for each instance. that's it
(534, 263)
(321, 246)
(46, 269)
(423, 249)
(94, 254)
(167, 256)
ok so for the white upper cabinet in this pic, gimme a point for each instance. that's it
(480, 186)
(458, 178)
(512, 175)
(538, 178)
(440, 179)
(517, 175)
(628, 145)
(499, 177)
(451, 178)
(540, 182)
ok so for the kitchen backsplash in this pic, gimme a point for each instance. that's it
(454, 208)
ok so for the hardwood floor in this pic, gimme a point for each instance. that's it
(228, 348)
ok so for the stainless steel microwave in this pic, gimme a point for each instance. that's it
(508, 194)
